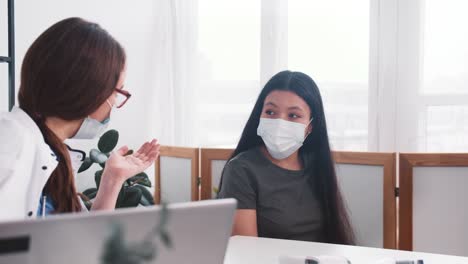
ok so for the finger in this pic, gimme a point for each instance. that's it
(154, 147)
(150, 146)
(143, 157)
(151, 158)
(123, 150)
(140, 151)
(144, 148)
(153, 155)
(146, 158)
(136, 155)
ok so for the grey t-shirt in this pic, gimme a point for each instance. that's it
(285, 202)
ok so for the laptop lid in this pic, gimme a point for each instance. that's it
(199, 232)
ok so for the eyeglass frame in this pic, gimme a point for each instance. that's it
(124, 93)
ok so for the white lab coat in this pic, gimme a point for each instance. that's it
(26, 162)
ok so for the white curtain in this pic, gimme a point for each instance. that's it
(391, 74)
(418, 83)
(171, 95)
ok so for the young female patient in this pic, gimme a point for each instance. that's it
(282, 172)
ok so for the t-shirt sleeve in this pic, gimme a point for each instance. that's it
(236, 183)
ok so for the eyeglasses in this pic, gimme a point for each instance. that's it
(121, 97)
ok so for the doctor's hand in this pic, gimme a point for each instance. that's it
(120, 167)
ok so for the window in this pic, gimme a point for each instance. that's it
(329, 40)
(393, 74)
(229, 68)
(444, 90)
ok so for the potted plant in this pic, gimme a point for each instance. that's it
(117, 250)
(134, 191)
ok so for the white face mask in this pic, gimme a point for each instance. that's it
(282, 138)
(92, 128)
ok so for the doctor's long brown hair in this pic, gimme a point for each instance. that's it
(68, 72)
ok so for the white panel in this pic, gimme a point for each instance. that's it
(440, 213)
(176, 180)
(216, 171)
(362, 188)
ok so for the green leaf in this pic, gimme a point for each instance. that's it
(165, 238)
(144, 250)
(85, 165)
(92, 195)
(88, 205)
(144, 201)
(85, 197)
(121, 197)
(97, 157)
(132, 198)
(108, 141)
(146, 195)
(115, 250)
(215, 190)
(97, 177)
(141, 178)
(89, 191)
(164, 218)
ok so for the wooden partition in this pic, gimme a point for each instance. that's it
(368, 181)
(379, 168)
(212, 161)
(176, 174)
(432, 211)
(433, 203)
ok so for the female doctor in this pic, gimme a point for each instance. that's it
(71, 79)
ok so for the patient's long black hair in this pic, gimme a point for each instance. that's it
(315, 152)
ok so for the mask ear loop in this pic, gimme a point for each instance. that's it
(110, 105)
(312, 119)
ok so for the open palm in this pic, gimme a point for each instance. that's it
(121, 167)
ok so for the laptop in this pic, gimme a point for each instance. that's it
(199, 232)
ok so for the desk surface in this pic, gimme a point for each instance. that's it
(251, 250)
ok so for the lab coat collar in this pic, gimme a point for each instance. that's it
(20, 115)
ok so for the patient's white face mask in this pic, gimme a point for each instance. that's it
(282, 138)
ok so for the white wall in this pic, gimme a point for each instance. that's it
(130, 22)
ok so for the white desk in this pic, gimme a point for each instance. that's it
(250, 250)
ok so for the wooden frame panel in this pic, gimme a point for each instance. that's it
(177, 152)
(207, 155)
(407, 162)
(388, 161)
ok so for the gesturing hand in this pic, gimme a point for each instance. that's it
(120, 167)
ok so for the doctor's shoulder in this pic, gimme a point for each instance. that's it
(13, 135)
